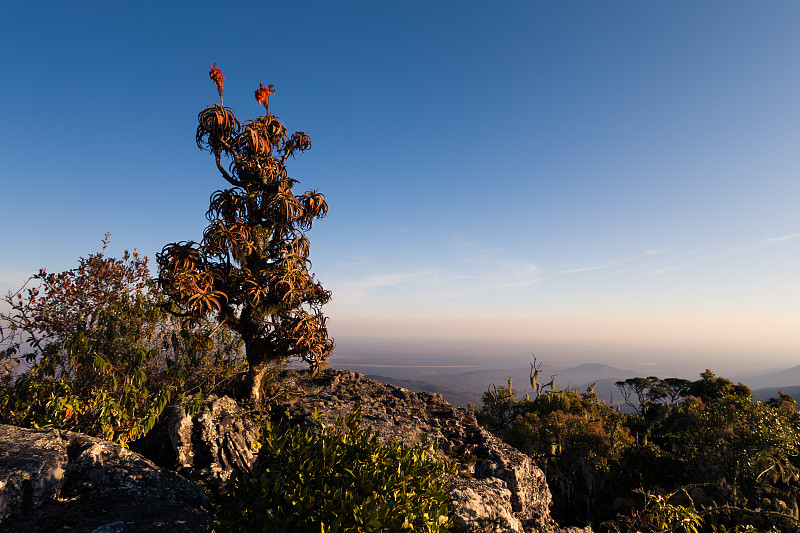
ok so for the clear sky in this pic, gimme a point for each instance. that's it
(609, 181)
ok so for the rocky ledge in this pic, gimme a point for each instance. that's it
(61, 481)
(52, 480)
(498, 488)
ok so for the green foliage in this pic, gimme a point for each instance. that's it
(251, 271)
(652, 390)
(338, 479)
(657, 515)
(499, 405)
(711, 388)
(705, 446)
(784, 403)
(577, 440)
(744, 452)
(638, 387)
(92, 350)
(746, 528)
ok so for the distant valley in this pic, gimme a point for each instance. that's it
(460, 384)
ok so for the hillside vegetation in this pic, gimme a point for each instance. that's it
(694, 456)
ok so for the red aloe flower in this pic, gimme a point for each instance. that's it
(216, 76)
(263, 93)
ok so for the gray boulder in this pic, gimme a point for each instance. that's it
(213, 444)
(53, 480)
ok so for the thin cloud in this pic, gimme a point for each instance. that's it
(354, 290)
(654, 251)
(598, 267)
(491, 268)
(388, 280)
(521, 276)
(496, 273)
(355, 260)
(666, 270)
(514, 284)
(381, 280)
(772, 240)
(508, 275)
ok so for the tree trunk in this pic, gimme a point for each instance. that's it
(257, 373)
(257, 364)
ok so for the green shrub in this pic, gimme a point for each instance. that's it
(92, 349)
(499, 405)
(657, 516)
(714, 452)
(338, 479)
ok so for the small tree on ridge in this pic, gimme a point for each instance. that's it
(252, 267)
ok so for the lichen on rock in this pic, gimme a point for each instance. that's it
(53, 479)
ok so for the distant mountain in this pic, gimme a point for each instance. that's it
(594, 372)
(766, 393)
(784, 379)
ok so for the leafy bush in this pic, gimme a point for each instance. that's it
(657, 515)
(577, 441)
(499, 405)
(701, 448)
(91, 349)
(744, 454)
(711, 388)
(338, 479)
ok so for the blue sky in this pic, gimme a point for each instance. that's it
(586, 180)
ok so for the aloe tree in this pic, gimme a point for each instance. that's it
(251, 270)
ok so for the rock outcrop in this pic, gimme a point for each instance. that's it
(206, 448)
(498, 488)
(52, 480)
(67, 479)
